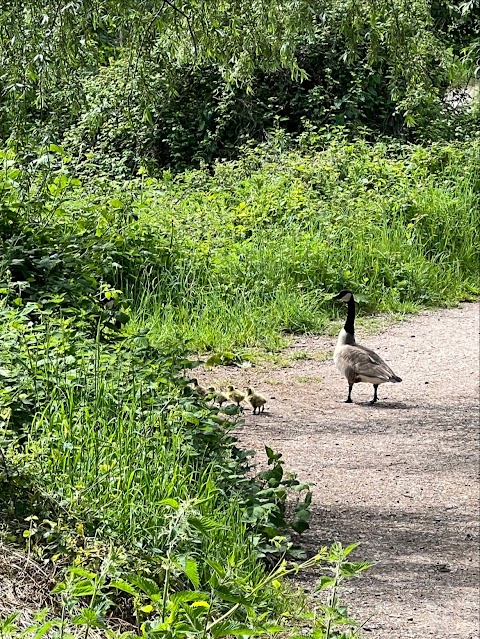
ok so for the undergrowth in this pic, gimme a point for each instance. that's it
(258, 247)
(109, 458)
(240, 258)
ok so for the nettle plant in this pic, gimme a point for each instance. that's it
(220, 606)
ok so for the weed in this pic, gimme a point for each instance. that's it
(221, 606)
(308, 380)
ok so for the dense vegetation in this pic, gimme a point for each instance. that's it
(127, 83)
(200, 178)
(108, 455)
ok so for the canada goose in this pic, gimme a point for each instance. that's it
(200, 389)
(358, 363)
(256, 400)
(235, 395)
(218, 396)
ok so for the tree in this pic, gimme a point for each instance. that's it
(48, 47)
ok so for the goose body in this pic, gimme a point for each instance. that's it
(358, 363)
(235, 395)
(218, 396)
(256, 400)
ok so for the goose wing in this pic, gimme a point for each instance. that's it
(364, 364)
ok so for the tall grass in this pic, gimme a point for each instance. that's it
(144, 467)
(259, 246)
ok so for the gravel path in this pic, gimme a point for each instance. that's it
(400, 476)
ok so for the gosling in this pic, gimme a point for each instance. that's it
(256, 400)
(235, 395)
(200, 389)
(218, 396)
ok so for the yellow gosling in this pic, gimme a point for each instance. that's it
(200, 389)
(256, 400)
(235, 395)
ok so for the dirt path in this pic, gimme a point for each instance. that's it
(401, 476)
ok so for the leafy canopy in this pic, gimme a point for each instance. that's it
(44, 40)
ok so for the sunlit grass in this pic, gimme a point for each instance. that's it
(259, 251)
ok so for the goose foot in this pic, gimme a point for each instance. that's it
(349, 398)
(375, 396)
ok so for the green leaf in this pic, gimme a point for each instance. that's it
(173, 503)
(81, 572)
(148, 586)
(350, 548)
(233, 629)
(300, 525)
(348, 569)
(148, 608)
(83, 588)
(44, 628)
(90, 618)
(60, 587)
(190, 568)
(217, 567)
(326, 582)
(186, 596)
(120, 584)
(8, 625)
(205, 525)
(116, 204)
(228, 595)
(54, 148)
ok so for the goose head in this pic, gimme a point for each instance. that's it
(343, 296)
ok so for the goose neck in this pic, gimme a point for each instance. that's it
(349, 325)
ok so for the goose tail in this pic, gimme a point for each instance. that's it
(395, 379)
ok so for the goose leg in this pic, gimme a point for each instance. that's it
(375, 396)
(349, 398)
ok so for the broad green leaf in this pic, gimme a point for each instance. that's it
(191, 570)
(120, 584)
(173, 503)
(326, 582)
(83, 588)
(147, 585)
(186, 596)
(81, 572)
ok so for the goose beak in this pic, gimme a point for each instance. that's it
(336, 297)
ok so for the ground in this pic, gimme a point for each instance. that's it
(401, 477)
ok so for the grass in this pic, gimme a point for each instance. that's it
(104, 288)
(260, 245)
(126, 471)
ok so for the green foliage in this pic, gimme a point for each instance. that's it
(103, 288)
(106, 450)
(248, 253)
(267, 508)
(264, 241)
(108, 457)
(222, 608)
(206, 118)
(137, 84)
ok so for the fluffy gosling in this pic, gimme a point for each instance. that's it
(256, 400)
(200, 389)
(218, 396)
(235, 395)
